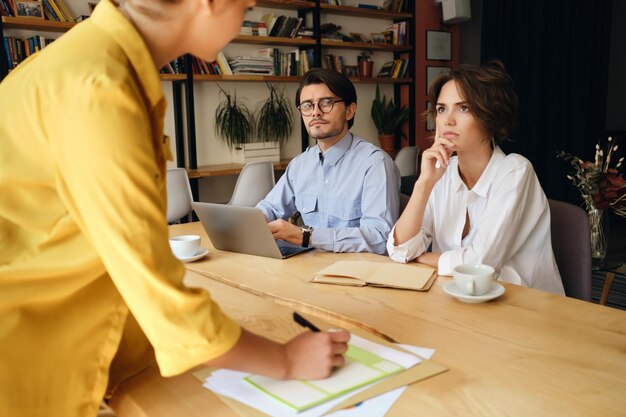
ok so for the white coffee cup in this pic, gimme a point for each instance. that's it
(185, 246)
(473, 279)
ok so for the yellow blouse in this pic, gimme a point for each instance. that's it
(83, 235)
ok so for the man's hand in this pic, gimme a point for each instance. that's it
(286, 231)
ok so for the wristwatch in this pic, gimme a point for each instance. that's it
(306, 235)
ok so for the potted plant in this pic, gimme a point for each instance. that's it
(388, 119)
(365, 64)
(274, 119)
(233, 121)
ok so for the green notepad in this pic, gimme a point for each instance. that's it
(366, 362)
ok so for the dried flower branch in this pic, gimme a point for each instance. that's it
(600, 186)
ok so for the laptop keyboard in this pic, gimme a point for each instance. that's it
(287, 250)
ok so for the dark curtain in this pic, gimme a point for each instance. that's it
(557, 52)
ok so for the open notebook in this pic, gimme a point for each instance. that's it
(381, 274)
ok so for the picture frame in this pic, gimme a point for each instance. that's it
(430, 124)
(359, 37)
(30, 9)
(434, 72)
(350, 71)
(438, 45)
(378, 38)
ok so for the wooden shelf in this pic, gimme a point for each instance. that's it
(173, 77)
(286, 4)
(360, 12)
(382, 47)
(29, 23)
(246, 78)
(380, 80)
(272, 78)
(273, 40)
(221, 170)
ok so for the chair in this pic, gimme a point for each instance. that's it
(179, 195)
(572, 248)
(406, 161)
(255, 180)
(404, 200)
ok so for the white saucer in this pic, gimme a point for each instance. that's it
(495, 291)
(200, 254)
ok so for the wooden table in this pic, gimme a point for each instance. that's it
(220, 170)
(528, 353)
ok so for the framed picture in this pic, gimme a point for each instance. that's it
(350, 71)
(359, 37)
(32, 9)
(438, 45)
(430, 123)
(434, 72)
(378, 38)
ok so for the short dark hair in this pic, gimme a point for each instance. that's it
(489, 92)
(339, 84)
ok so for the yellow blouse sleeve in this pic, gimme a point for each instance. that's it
(105, 146)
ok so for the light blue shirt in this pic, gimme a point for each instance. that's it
(349, 195)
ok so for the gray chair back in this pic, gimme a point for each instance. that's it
(255, 180)
(179, 195)
(406, 161)
(571, 245)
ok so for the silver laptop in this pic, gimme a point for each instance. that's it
(242, 230)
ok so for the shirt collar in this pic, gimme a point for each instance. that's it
(486, 179)
(108, 18)
(338, 150)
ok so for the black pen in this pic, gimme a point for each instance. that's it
(304, 322)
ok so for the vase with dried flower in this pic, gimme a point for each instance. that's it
(602, 188)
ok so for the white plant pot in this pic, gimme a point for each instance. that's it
(257, 151)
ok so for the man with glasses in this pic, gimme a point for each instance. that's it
(345, 188)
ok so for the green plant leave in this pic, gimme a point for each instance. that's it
(387, 117)
(233, 121)
(274, 120)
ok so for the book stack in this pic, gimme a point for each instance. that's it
(289, 63)
(282, 26)
(198, 66)
(57, 11)
(246, 65)
(394, 69)
(7, 8)
(253, 28)
(17, 49)
(397, 33)
(334, 62)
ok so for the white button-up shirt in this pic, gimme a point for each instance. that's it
(509, 224)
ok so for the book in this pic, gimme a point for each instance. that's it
(223, 64)
(379, 274)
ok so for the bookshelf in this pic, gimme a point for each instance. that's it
(182, 100)
(311, 11)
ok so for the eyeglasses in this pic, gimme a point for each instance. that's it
(325, 105)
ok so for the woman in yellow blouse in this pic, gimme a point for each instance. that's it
(86, 272)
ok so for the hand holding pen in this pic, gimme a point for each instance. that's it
(316, 353)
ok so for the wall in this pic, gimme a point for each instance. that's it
(428, 17)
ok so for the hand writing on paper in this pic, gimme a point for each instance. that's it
(314, 355)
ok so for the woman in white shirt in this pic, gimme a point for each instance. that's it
(480, 206)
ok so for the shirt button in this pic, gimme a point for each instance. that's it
(325, 181)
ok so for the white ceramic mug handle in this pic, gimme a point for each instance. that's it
(470, 287)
